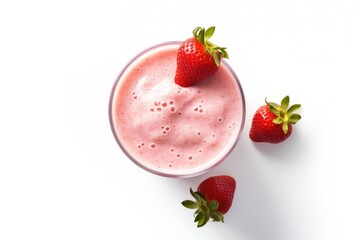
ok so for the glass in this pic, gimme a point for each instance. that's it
(120, 136)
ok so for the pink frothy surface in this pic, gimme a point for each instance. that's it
(171, 130)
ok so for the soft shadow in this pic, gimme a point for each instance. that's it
(254, 212)
(283, 150)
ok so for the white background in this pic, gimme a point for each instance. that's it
(62, 175)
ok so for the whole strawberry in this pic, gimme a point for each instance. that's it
(213, 198)
(198, 58)
(272, 123)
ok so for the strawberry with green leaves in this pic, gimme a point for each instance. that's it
(213, 198)
(272, 122)
(198, 58)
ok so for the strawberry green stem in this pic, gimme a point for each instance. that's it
(203, 35)
(204, 210)
(285, 114)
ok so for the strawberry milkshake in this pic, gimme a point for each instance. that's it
(170, 130)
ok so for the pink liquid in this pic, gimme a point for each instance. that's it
(170, 130)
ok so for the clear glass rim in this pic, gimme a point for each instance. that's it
(167, 174)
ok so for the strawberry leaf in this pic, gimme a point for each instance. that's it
(216, 58)
(196, 196)
(209, 32)
(294, 118)
(190, 204)
(275, 108)
(196, 30)
(293, 108)
(285, 127)
(224, 53)
(200, 198)
(199, 216)
(285, 103)
(202, 36)
(277, 120)
(202, 219)
(216, 216)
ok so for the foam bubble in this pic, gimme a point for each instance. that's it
(198, 108)
(165, 129)
(141, 145)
